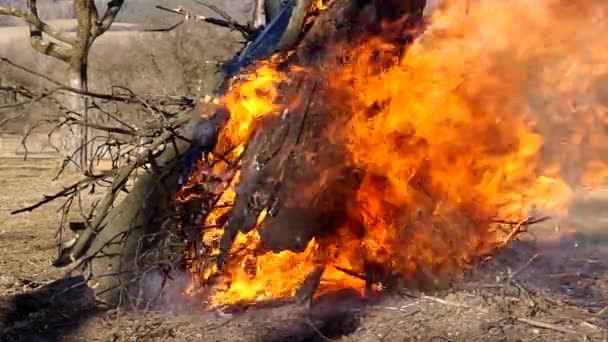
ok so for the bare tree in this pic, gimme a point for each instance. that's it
(74, 51)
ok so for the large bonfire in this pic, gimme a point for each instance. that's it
(494, 112)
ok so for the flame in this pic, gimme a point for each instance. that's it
(254, 99)
(496, 112)
(319, 5)
(314, 9)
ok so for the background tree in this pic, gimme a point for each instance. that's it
(73, 49)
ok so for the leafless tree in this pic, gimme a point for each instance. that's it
(74, 51)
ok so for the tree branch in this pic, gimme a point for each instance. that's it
(49, 48)
(259, 15)
(108, 18)
(39, 44)
(34, 20)
(125, 98)
(119, 182)
(37, 27)
(217, 10)
(67, 191)
(247, 32)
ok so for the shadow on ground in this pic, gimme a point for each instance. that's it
(48, 313)
(330, 317)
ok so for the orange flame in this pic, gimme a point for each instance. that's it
(255, 99)
(319, 5)
(488, 116)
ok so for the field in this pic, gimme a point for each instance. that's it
(557, 291)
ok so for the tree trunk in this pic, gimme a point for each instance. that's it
(76, 136)
(112, 254)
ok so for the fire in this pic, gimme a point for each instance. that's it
(254, 99)
(494, 113)
(319, 5)
(314, 9)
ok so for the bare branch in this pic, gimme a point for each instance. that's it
(24, 110)
(217, 10)
(121, 178)
(29, 71)
(166, 29)
(112, 116)
(109, 129)
(230, 23)
(101, 26)
(40, 25)
(49, 48)
(72, 189)
(43, 46)
(129, 97)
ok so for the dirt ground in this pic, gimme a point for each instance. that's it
(557, 290)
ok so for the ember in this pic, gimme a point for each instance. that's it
(487, 116)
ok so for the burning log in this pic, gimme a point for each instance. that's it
(295, 184)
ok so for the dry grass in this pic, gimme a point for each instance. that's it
(27, 241)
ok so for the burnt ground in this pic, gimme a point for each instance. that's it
(553, 286)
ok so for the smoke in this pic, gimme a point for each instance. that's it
(545, 61)
(169, 293)
(551, 59)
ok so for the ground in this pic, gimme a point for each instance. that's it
(557, 290)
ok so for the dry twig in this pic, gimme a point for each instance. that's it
(247, 32)
(548, 326)
(442, 301)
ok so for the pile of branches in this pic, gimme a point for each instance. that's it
(113, 245)
(113, 238)
(130, 145)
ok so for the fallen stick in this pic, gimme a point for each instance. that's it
(548, 326)
(526, 265)
(602, 311)
(442, 301)
(564, 275)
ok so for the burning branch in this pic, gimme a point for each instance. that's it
(519, 227)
